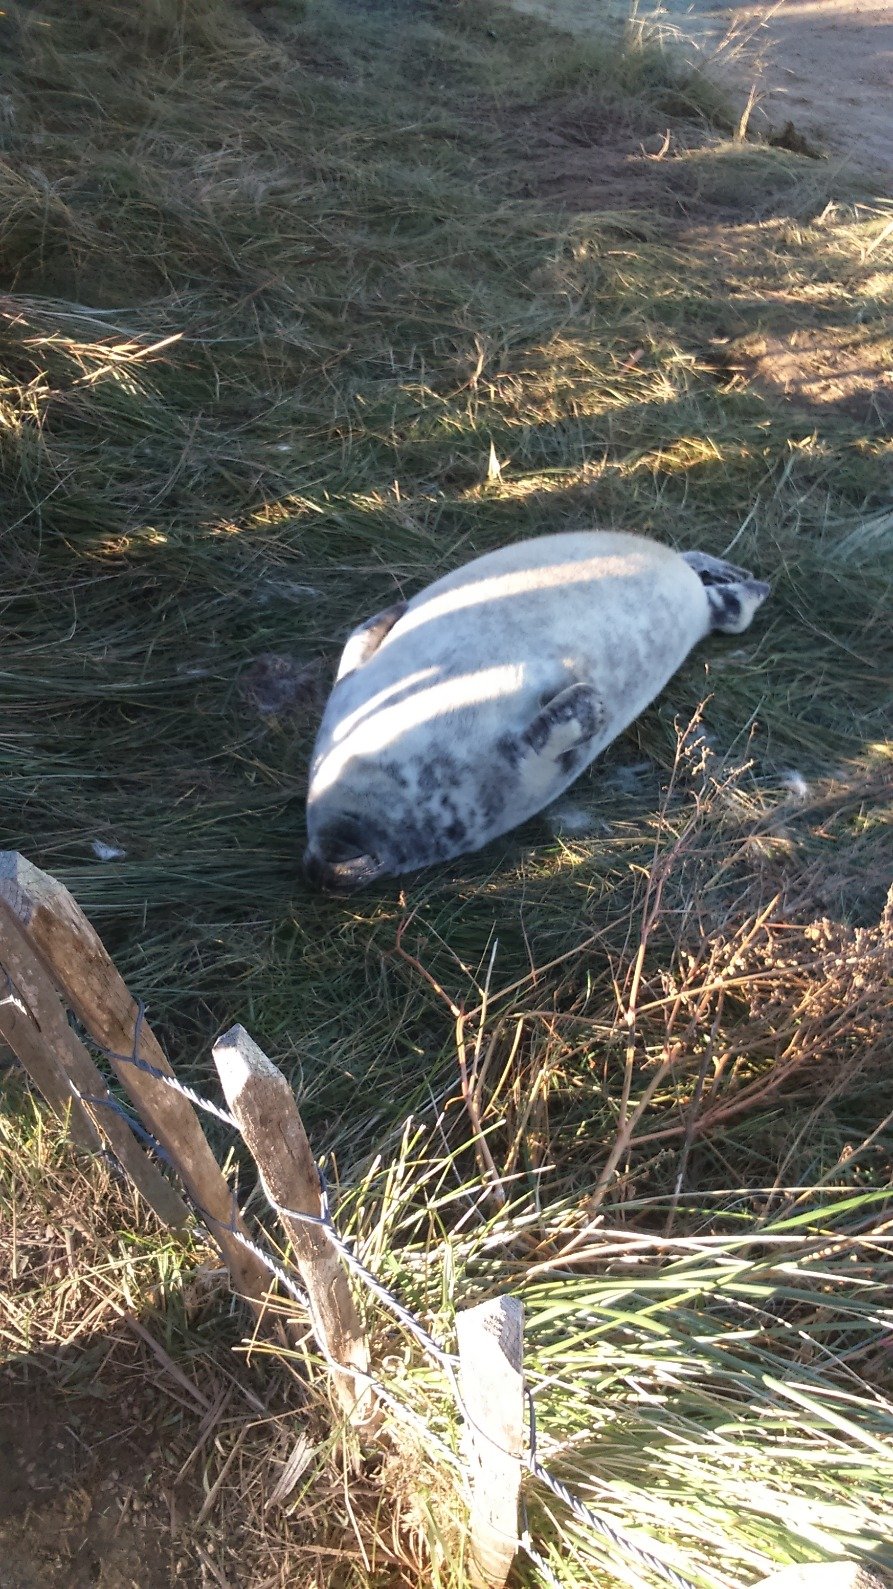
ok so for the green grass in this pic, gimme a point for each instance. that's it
(269, 291)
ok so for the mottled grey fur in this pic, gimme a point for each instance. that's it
(461, 713)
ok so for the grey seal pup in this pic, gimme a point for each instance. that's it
(459, 714)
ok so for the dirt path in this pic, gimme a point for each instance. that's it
(824, 65)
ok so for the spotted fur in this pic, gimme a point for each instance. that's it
(461, 713)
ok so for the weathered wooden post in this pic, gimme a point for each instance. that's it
(23, 1020)
(34, 1023)
(491, 1380)
(264, 1106)
(55, 928)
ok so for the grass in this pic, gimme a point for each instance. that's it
(271, 286)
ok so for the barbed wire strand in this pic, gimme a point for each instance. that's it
(135, 1059)
(446, 1359)
(355, 1373)
(584, 1514)
(618, 1538)
(141, 1132)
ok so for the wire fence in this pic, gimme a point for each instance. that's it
(52, 965)
(447, 1362)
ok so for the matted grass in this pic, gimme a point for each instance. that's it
(273, 285)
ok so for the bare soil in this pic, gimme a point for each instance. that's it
(81, 1504)
(824, 66)
(815, 78)
(820, 369)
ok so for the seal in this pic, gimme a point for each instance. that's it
(459, 714)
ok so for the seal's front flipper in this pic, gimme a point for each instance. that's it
(568, 722)
(365, 641)
(560, 741)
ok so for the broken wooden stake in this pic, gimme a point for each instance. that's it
(54, 926)
(22, 1022)
(33, 1021)
(264, 1107)
(491, 1380)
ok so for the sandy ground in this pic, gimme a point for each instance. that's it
(824, 65)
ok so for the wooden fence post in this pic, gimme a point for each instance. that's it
(34, 1023)
(22, 1029)
(55, 927)
(491, 1380)
(264, 1105)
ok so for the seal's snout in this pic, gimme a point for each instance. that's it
(336, 861)
(342, 877)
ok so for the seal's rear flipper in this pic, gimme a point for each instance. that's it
(713, 570)
(733, 593)
(732, 606)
